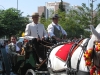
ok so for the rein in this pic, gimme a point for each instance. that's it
(45, 45)
(76, 46)
(47, 42)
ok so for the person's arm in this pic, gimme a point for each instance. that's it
(50, 30)
(45, 35)
(28, 32)
(54, 37)
(64, 33)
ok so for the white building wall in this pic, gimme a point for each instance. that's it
(50, 8)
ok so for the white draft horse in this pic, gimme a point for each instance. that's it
(77, 61)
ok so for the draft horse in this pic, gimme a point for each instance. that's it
(75, 62)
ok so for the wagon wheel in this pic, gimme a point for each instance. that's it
(30, 72)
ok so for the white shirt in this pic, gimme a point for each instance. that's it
(35, 31)
(50, 29)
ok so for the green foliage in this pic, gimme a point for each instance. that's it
(12, 22)
(44, 21)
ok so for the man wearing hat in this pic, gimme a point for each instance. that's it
(35, 31)
(55, 30)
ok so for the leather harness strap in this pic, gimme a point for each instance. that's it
(73, 48)
(76, 46)
(68, 62)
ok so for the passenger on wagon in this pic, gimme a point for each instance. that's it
(36, 32)
(14, 46)
(55, 30)
(14, 49)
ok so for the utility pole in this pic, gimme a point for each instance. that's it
(17, 4)
(92, 11)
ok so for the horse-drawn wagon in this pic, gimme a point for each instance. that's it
(25, 64)
(54, 60)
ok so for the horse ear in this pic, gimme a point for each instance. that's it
(95, 31)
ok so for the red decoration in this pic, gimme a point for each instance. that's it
(88, 60)
(92, 71)
(87, 56)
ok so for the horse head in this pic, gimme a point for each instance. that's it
(56, 63)
(92, 55)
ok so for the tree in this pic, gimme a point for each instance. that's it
(12, 22)
(96, 18)
(61, 6)
(73, 28)
(44, 21)
(2, 27)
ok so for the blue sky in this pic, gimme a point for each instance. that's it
(30, 6)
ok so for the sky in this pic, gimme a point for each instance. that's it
(30, 6)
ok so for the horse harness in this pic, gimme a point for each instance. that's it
(95, 57)
(70, 70)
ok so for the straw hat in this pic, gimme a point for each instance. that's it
(35, 14)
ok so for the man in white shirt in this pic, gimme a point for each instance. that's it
(35, 31)
(55, 30)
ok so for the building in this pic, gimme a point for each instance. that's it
(41, 10)
(51, 7)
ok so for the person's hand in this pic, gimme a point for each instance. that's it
(38, 39)
(43, 38)
(58, 39)
(64, 37)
